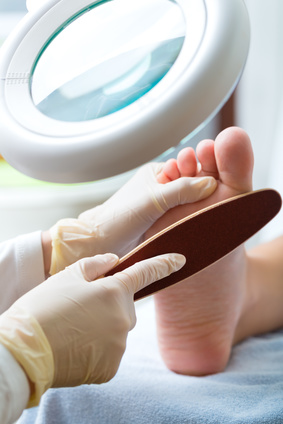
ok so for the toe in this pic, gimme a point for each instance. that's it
(170, 172)
(206, 157)
(234, 159)
(187, 162)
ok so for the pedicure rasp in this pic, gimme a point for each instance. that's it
(206, 236)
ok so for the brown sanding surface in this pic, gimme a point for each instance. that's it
(206, 236)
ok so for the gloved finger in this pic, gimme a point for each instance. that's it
(187, 190)
(150, 270)
(96, 266)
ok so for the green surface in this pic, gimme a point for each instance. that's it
(10, 177)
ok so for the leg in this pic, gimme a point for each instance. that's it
(197, 319)
(264, 287)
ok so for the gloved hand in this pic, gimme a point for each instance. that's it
(72, 330)
(118, 225)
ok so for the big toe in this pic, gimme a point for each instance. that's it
(234, 158)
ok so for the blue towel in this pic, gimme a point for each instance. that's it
(144, 391)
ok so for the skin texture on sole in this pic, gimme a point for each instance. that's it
(205, 236)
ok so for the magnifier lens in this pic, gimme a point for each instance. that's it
(106, 58)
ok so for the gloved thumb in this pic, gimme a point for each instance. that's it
(146, 272)
(187, 190)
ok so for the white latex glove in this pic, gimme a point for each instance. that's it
(118, 225)
(72, 330)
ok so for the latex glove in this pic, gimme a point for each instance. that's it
(118, 225)
(72, 330)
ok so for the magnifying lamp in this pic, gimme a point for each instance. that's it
(92, 89)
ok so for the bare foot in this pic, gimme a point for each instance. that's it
(197, 319)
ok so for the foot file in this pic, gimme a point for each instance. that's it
(205, 236)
